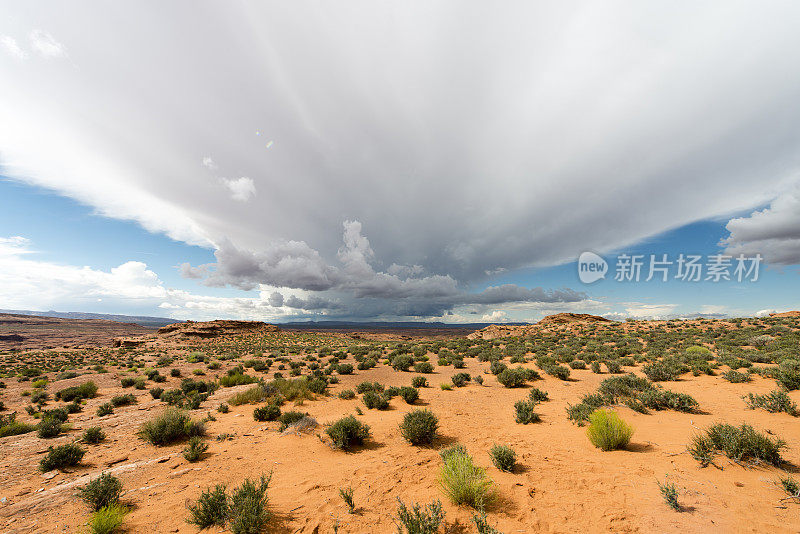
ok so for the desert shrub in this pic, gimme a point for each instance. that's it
(742, 443)
(735, 377)
(123, 400)
(419, 382)
(537, 395)
(105, 409)
(464, 482)
(662, 370)
(67, 455)
(9, 426)
(577, 364)
(419, 520)
(503, 457)
(236, 379)
(525, 413)
(482, 524)
(402, 362)
(347, 496)
(409, 394)
(251, 395)
(223, 408)
(87, 390)
(93, 435)
(460, 379)
(289, 418)
(108, 520)
(458, 448)
(423, 367)
(195, 449)
(348, 432)
(73, 407)
(670, 494)
(559, 371)
(270, 412)
(497, 367)
(102, 491)
(773, 402)
(790, 486)
(127, 381)
(347, 394)
(662, 399)
(614, 366)
(49, 427)
(344, 369)
(249, 507)
(607, 431)
(595, 366)
(156, 392)
(175, 373)
(374, 400)
(210, 509)
(788, 374)
(419, 427)
(364, 387)
(512, 378)
(139, 383)
(446, 386)
(170, 426)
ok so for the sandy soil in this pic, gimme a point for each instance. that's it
(25, 332)
(562, 484)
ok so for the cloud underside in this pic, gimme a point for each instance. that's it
(451, 142)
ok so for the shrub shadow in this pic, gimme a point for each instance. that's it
(639, 447)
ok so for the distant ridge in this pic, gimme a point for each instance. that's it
(141, 320)
(311, 325)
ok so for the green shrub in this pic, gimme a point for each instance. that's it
(108, 520)
(253, 395)
(170, 426)
(347, 496)
(503, 457)
(464, 482)
(9, 426)
(87, 390)
(289, 418)
(662, 370)
(735, 377)
(419, 427)
(419, 520)
(105, 409)
(423, 367)
(537, 395)
(458, 448)
(375, 400)
(419, 382)
(364, 387)
(460, 379)
(123, 400)
(614, 366)
(670, 494)
(347, 394)
(49, 427)
(127, 382)
(447, 386)
(67, 455)
(93, 435)
(788, 374)
(525, 412)
(482, 524)
(210, 509)
(344, 369)
(409, 394)
(195, 449)
(559, 371)
(743, 443)
(102, 491)
(773, 402)
(595, 367)
(156, 392)
(607, 431)
(402, 362)
(249, 507)
(790, 486)
(512, 378)
(577, 364)
(270, 412)
(236, 379)
(348, 432)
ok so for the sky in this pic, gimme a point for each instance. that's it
(436, 161)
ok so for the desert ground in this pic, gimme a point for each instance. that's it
(560, 481)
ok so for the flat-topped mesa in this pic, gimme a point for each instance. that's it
(562, 318)
(786, 314)
(219, 327)
(500, 330)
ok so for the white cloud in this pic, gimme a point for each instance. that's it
(514, 148)
(12, 48)
(46, 45)
(241, 189)
(496, 316)
(208, 163)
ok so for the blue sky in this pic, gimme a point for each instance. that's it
(439, 162)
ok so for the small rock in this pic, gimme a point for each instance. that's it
(49, 475)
